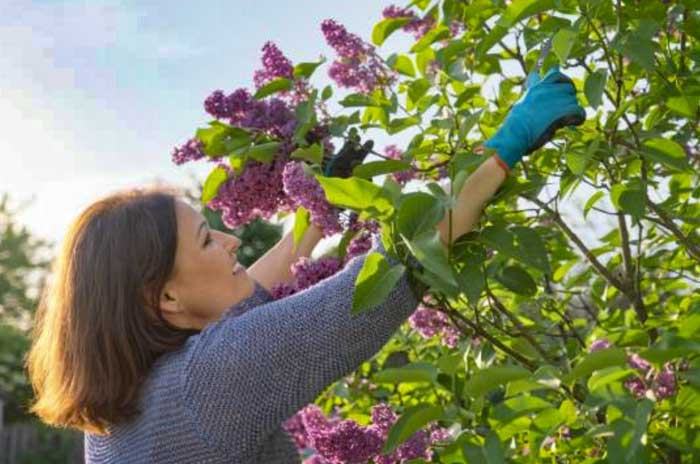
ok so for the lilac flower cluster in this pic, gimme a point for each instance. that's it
(305, 191)
(357, 65)
(418, 27)
(661, 383)
(272, 116)
(189, 151)
(275, 65)
(599, 344)
(362, 241)
(345, 441)
(429, 322)
(257, 192)
(393, 152)
(307, 273)
(650, 382)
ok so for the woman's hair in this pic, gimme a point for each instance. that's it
(97, 329)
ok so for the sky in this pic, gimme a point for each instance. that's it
(95, 94)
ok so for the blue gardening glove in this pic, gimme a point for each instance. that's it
(548, 104)
(350, 155)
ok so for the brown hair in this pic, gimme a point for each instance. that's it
(95, 333)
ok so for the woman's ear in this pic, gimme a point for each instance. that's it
(169, 302)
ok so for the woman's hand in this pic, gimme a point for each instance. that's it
(547, 105)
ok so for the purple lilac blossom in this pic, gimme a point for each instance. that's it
(257, 192)
(636, 386)
(305, 191)
(348, 442)
(599, 344)
(638, 363)
(345, 441)
(429, 322)
(272, 116)
(357, 65)
(307, 273)
(189, 151)
(393, 152)
(275, 65)
(418, 27)
(665, 382)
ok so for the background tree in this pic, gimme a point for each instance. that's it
(23, 269)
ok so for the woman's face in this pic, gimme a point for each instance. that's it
(207, 278)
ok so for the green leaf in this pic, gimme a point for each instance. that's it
(666, 152)
(305, 70)
(358, 99)
(302, 219)
(628, 198)
(607, 375)
(412, 420)
(493, 449)
(562, 42)
(532, 248)
(485, 380)
(265, 152)
(327, 92)
(383, 29)
(216, 177)
(404, 65)
(417, 89)
(577, 162)
(472, 282)
(594, 87)
(374, 283)
(274, 86)
(522, 9)
(517, 279)
(591, 202)
(312, 153)
(496, 34)
(357, 194)
(641, 421)
(237, 161)
(417, 372)
(418, 213)
(640, 49)
(686, 105)
(399, 124)
(500, 238)
(597, 360)
(221, 139)
(377, 168)
(430, 252)
(438, 33)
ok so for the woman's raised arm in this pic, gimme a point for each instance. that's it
(274, 266)
(477, 190)
(245, 375)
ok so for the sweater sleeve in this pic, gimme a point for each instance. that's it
(250, 373)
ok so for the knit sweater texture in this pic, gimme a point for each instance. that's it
(223, 396)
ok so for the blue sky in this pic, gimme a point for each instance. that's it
(95, 94)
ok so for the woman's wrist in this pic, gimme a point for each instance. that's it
(497, 158)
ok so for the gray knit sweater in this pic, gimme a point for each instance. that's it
(223, 396)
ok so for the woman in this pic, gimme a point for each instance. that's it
(145, 340)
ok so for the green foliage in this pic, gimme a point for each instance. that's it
(23, 271)
(593, 237)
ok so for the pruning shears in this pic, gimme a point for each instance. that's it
(534, 75)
